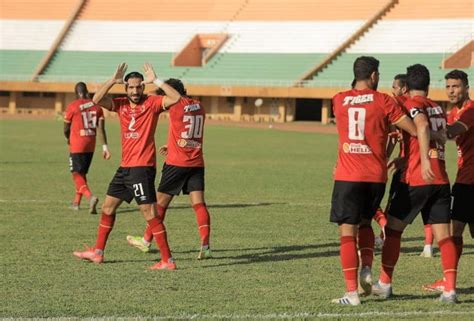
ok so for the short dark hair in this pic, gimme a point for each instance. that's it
(418, 77)
(402, 79)
(457, 74)
(176, 84)
(81, 89)
(133, 74)
(364, 66)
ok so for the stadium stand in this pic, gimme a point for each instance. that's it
(273, 49)
(406, 36)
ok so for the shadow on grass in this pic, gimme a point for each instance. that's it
(183, 206)
(277, 253)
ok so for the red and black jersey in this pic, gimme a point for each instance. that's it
(84, 117)
(363, 118)
(186, 133)
(437, 121)
(138, 125)
(464, 142)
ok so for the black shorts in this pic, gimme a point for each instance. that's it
(134, 182)
(433, 201)
(80, 162)
(352, 201)
(175, 179)
(461, 207)
(396, 181)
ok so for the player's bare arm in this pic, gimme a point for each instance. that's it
(103, 139)
(171, 95)
(406, 124)
(67, 131)
(100, 97)
(423, 133)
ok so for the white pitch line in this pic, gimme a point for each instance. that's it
(314, 315)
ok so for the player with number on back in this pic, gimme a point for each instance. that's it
(427, 189)
(183, 169)
(135, 178)
(363, 116)
(81, 121)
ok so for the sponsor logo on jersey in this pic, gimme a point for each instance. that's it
(432, 111)
(357, 100)
(188, 143)
(193, 107)
(436, 153)
(87, 132)
(356, 148)
(86, 105)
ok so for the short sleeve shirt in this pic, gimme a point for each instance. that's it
(83, 115)
(138, 125)
(363, 118)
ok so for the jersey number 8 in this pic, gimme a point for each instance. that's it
(356, 123)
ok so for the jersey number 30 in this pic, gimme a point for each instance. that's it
(356, 123)
(194, 126)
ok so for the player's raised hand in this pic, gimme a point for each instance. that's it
(120, 73)
(163, 150)
(150, 75)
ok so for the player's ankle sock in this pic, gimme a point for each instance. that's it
(77, 199)
(105, 227)
(349, 262)
(380, 218)
(428, 234)
(449, 262)
(458, 242)
(390, 254)
(366, 245)
(159, 233)
(203, 221)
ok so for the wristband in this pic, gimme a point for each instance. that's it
(158, 82)
(105, 148)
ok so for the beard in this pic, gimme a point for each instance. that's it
(134, 98)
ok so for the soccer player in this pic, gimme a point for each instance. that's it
(427, 189)
(138, 114)
(362, 118)
(460, 127)
(183, 169)
(81, 121)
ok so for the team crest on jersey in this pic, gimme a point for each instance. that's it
(357, 100)
(435, 153)
(356, 148)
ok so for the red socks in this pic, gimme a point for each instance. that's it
(148, 235)
(105, 227)
(458, 242)
(81, 184)
(428, 234)
(349, 262)
(77, 198)
(159, 233)
(390, 254)
(449, 261)
(204, 222)
(366, 245)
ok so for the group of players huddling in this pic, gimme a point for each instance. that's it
(364, 118)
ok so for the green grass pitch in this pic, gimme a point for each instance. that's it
(275, 253)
